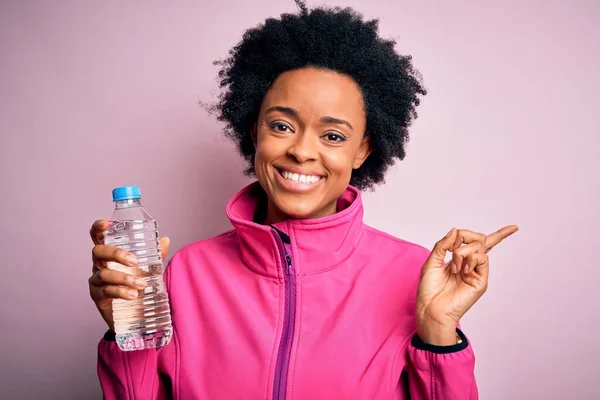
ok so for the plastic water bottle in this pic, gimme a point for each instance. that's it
(145, 322)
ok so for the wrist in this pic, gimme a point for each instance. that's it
(438, 335)
(110, 336)
(461, 344)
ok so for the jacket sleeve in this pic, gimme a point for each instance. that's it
(441, 372)
(129, 375)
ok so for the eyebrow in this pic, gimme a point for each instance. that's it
(332, 120)
(285, 110)
(325, 120)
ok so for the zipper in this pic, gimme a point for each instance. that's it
(289, 316)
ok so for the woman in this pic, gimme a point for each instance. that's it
(302, 300)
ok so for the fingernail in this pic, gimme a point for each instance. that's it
(140, 282)
(466, 268)
(131, 259)
(450, 233)
(132, 294)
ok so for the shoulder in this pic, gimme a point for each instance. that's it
(224, 239)
(199, 253)
(386, 244)
(399, 262)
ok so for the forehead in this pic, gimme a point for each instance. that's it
(318, 92)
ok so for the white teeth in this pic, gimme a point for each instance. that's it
(297, 178)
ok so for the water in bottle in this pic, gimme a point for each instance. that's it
(145, 322)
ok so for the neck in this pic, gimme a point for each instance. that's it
(274, 215)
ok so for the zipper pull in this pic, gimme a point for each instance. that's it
(288, 260)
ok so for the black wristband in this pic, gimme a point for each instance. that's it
(110, 336)
(419, 344)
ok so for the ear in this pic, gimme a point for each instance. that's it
(364, 151)
(254, 134)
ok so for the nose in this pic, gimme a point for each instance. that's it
(304, 147)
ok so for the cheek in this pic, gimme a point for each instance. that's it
(267, 150)
(339, 163)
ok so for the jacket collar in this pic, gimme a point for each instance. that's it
(317, 244)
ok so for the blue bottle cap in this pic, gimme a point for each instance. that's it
(126, 193)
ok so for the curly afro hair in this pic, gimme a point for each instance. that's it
(333, 39)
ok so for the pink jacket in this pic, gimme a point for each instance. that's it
(305, 309)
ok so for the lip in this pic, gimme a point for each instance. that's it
(298, 171)
(297, 187)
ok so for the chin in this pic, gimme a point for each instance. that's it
(294, 206)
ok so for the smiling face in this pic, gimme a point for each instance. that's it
(309, 136)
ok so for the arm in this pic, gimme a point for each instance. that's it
(441, 372)
(441, 368)
(129, 375)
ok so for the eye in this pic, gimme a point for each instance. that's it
(334, 137)
(281, 127)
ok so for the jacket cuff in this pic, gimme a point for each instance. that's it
(110, 336)
(420, 345)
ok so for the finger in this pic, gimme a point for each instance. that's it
(102, 252)
(436, 258)
(165, 242)
(478, 276)
(97, 266)
(465, 236)
(475, 262)
(498, 236)
(97, 231)
(107, 276)
(459, 255)
(455, 267)
(97, 263)
(100, 293)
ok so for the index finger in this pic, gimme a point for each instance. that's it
(97, 231)
(467, 237)
(493, 239)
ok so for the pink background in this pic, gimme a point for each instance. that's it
(99, 94)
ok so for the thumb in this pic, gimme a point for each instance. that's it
(436, 258)
(165, 242)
